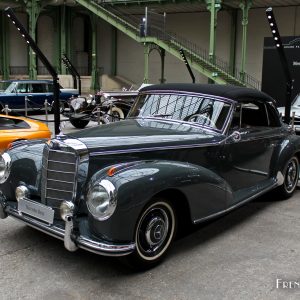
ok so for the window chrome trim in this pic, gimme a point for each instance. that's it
(183, 93)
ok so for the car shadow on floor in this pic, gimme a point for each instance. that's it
(189, 238)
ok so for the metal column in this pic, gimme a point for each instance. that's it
(245, 6)
(213, 6)
(33, 10)
(146, 61)
(95, 75)
(4, 44)
(114, 47)
(62, 37)
(162, 57)
(233, 39)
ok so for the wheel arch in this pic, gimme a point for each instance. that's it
(180, 204)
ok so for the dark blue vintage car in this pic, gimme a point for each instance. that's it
(187, 152)
(14, 92)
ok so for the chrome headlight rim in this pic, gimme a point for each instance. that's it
(110, 189)
(6, 161)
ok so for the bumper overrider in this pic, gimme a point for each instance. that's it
(73, 238)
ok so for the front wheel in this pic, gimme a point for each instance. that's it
(291, 174)
(154, 234)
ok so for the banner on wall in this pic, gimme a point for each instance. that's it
(273, 79)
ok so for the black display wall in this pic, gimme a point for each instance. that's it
(273, 79)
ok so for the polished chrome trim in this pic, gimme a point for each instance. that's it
(177, 147)
(61, 162)
(56, 171)
(111, 192)
(7, 165)
(256, 172)
(103, 248)
(280, 178)
(59, 180)
(68, 241)
(133, 150)
(210, 96)
(236, 205)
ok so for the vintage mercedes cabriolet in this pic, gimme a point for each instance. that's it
(186, 152)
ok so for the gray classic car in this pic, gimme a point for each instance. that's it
(187, 152)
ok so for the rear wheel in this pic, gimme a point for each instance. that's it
(154, 234)
(116, 114)
(78, 123)
(291, 174)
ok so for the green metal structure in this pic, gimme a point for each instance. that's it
(205, 63)
(33, 9)
(170, 43)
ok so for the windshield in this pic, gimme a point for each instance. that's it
(204, 111)
(4, 85)
(11, 88)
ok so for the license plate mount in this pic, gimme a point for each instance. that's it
(36, 210)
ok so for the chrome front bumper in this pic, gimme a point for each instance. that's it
(71, 241)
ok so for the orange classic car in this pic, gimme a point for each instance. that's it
(17, 128)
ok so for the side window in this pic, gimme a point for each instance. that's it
(22, 88)
(50, 88)
(254, 114)
(273, 116)
(38, 88)
(236, 118)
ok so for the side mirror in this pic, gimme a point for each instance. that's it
(234, 136)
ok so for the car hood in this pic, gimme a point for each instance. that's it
(138, 134)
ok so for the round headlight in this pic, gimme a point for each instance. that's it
(22, 192)
(5, 163)
(101, 200)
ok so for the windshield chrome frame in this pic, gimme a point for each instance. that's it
(182, 93)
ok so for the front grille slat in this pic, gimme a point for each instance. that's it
(58, 177)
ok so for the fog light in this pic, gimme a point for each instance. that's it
(66, 210)
(22, 192)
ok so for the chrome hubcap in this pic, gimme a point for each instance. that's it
(291, 175)
(155, 231)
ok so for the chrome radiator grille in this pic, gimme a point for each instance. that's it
(58, 177)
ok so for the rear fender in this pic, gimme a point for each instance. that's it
(286, 149)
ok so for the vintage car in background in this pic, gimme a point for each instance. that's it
(14, 92)
(295, 110)
(14, 129)
(185, 153)
(105, 107)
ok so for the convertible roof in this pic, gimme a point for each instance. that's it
(227, 91)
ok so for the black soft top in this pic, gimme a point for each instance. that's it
(236, 93)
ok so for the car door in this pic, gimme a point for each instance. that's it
(39, 94)
(18, 95)
(247, 161)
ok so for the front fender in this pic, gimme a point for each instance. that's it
(26, 167)
(138, 182)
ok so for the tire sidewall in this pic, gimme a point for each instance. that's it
(287, 193)
(138, 259)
